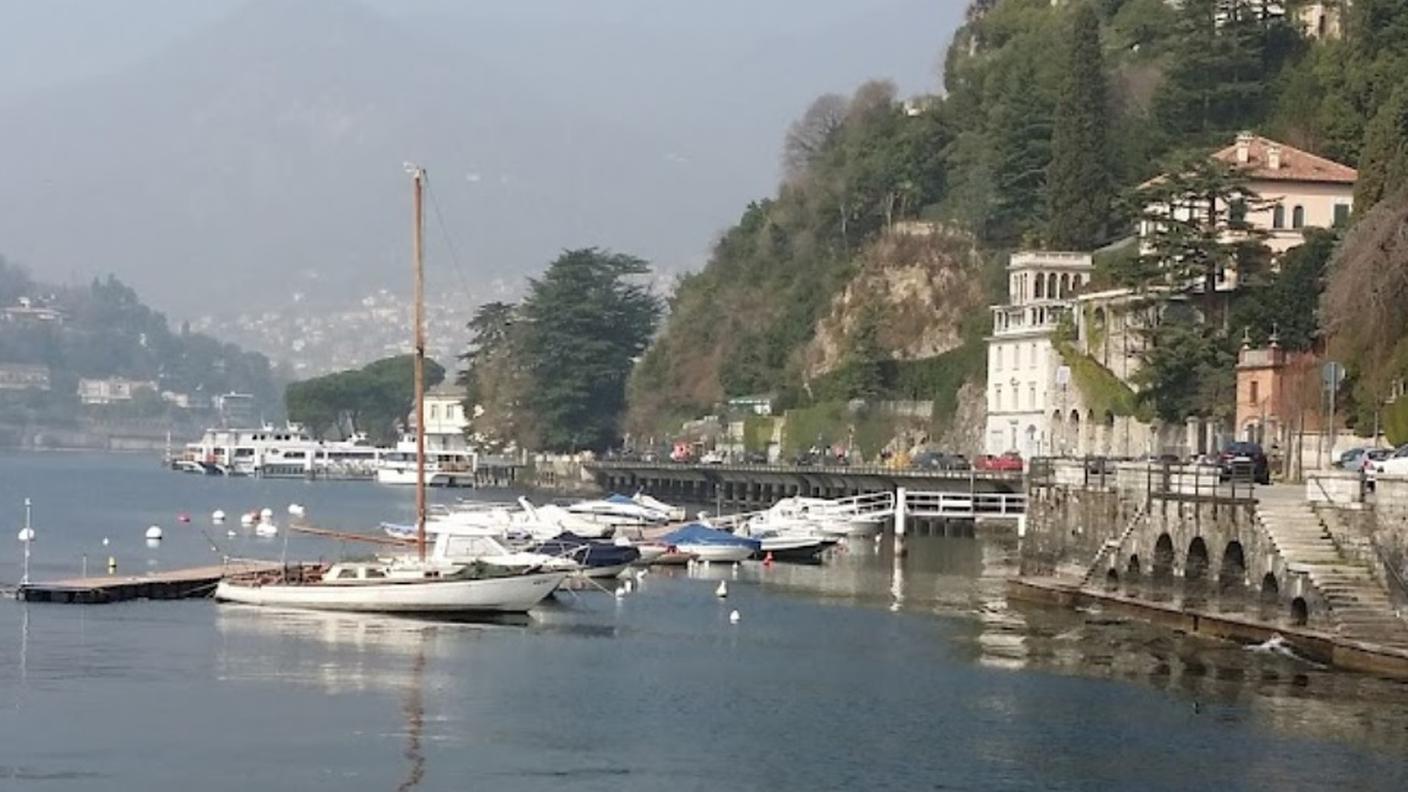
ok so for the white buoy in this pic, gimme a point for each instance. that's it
(265, 528)
(722, 590)
(266, 514)
(217, 516)
(247, 519)
(232, 532)
(296, 510)
(154, 533)
(26, 535)
(733, 617)
(105, 541)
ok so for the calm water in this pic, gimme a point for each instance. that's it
(858, 675)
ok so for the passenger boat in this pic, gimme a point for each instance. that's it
(278, 452)
(443, 467)
(710, 544)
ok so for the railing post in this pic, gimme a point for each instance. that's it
(899, 512)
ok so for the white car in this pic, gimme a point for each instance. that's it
(1396, 464)
(712, 458)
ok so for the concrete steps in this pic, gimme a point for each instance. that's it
(1359, 607)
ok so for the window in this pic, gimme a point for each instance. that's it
(1256, 392)
(1278, 217)
(1040, 287)
(1298, 217)
(997, 358)
(434, 412)
(1031, 396)
(1341, 215)
(997, 396)
(1031, 355)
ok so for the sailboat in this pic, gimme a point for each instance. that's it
(407, 584)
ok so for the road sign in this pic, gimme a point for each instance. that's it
(1332, 374)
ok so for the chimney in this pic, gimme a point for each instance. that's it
(1244, 148)
(1273, 157)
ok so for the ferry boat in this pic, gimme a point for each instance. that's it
(287, 452)
(444, 467)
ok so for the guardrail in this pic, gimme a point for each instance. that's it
(834, 470)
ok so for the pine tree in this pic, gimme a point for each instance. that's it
(1021, 151)
(1079, 180)
(1383, 166)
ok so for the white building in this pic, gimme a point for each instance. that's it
(1023, 363)
(112, 390)
(445, 419)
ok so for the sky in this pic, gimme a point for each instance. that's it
(232, 150)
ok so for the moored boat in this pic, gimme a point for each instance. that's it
(710, 544)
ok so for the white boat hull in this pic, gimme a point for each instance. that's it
(603, 572)
(725, 553)
(407, 478)
(514, 594)
(853, 528)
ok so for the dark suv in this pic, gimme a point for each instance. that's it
(1244, 461)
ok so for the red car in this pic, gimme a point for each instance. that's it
(1010, 462)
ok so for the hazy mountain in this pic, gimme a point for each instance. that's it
(261, 154)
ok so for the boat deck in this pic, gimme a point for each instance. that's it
(172, 584)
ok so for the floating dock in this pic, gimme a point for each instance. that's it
(173, 584)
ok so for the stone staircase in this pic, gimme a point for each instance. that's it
(1359, 605)
(1095, 572)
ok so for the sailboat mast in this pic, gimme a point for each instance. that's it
(417, 183)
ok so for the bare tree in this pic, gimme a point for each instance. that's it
(1365, 306)
(809, 135)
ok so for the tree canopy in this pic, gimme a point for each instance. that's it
(374, 399)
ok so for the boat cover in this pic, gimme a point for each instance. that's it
(587, 552)
(699, 533)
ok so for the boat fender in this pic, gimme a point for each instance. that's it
(733, 617)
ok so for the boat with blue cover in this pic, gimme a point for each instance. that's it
(596, 559)
(711, 544)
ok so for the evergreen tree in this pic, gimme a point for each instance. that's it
(1079, 180)
(1383, 166)
(585, 322)
(1020, 132)
(1218, 82)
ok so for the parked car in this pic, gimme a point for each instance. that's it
(1396, 464)
(712, 458)
(1245, 461)
(938, 460)
(1353, 459)
(1010, 462)
(756, 458)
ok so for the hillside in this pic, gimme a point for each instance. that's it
(137, 369)
(1052, 115)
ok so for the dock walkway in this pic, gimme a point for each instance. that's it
(172, 584)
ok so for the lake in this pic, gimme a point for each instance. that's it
(862, 673)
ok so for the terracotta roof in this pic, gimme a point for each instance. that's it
(1295, 165)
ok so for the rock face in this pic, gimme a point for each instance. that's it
(964, 434)
(923, 283)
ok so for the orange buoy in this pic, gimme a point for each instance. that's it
(767, 559)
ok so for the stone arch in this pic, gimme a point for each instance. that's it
(1051, 285)
(1107, 433)
(1300, 612)
(1270, 588)
(1132, 571)
(1112, 579)
(1065, 284)
(1091, 439)
(1233, 573)
(1040, 287)
(1163, 558)
(1075, 283)
(1075, 432)
(1195, 568)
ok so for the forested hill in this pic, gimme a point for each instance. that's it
(1051, 114)
(103, 330)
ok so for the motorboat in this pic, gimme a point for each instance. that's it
(618, 511)
(443, 467)
(670, 513)
(823, 516)
(401, 586)
(792, 545)
(710, 544)
(596, 559)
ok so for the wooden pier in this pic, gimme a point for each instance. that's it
(173, 584)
